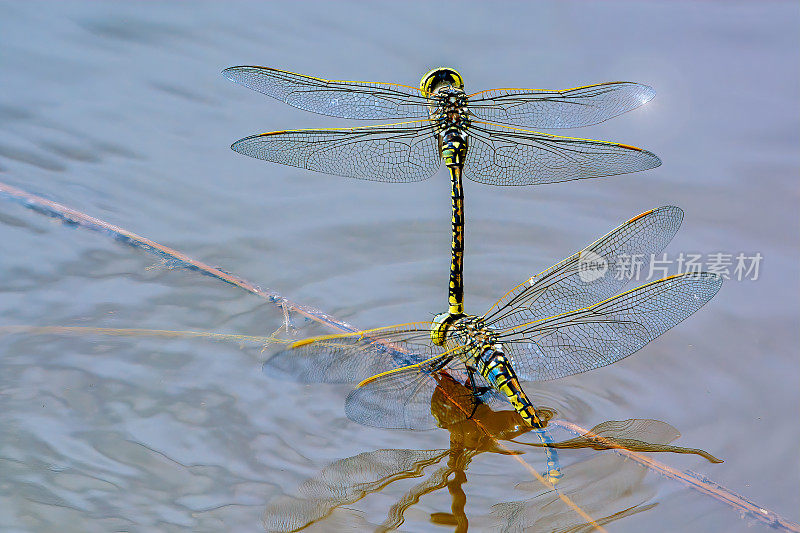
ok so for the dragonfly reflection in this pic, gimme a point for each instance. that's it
(351, 479)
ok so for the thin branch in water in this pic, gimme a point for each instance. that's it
(76, 218)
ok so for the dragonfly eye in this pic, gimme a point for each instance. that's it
(440, 78)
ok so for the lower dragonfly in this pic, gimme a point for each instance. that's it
(560, 322)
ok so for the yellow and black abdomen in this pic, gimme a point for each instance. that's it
(454, 145)
(453, 149)
(495, 367)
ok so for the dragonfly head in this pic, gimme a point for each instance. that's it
(441, 77)
(441, 324)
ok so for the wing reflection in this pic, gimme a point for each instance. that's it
(608, 486)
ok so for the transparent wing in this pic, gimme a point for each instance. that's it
(401, 152)
(498, 155)
(356, 356)
(570, 108)
(345, 99)
(425, 395)
(608, 331)
(588, 276)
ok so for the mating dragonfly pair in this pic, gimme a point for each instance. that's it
(556, 323)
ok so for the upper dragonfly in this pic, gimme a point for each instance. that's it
(449, 125)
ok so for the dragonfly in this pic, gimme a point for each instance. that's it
(479, 135)
(565, 320)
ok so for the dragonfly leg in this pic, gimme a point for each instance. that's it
(474, 390)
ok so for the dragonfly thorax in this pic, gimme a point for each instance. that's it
(472, 330)
(450, 106)
(449, 111)
(450, 99)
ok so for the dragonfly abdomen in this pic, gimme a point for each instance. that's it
(496, 368)
(454, 146)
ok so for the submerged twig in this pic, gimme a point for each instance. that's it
(173, 257)
(73, 217)
(140, 332)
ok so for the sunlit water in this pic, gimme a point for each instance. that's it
(120, 111)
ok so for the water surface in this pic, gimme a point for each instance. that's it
(119, 110)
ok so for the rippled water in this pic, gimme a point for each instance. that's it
(119, 111)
